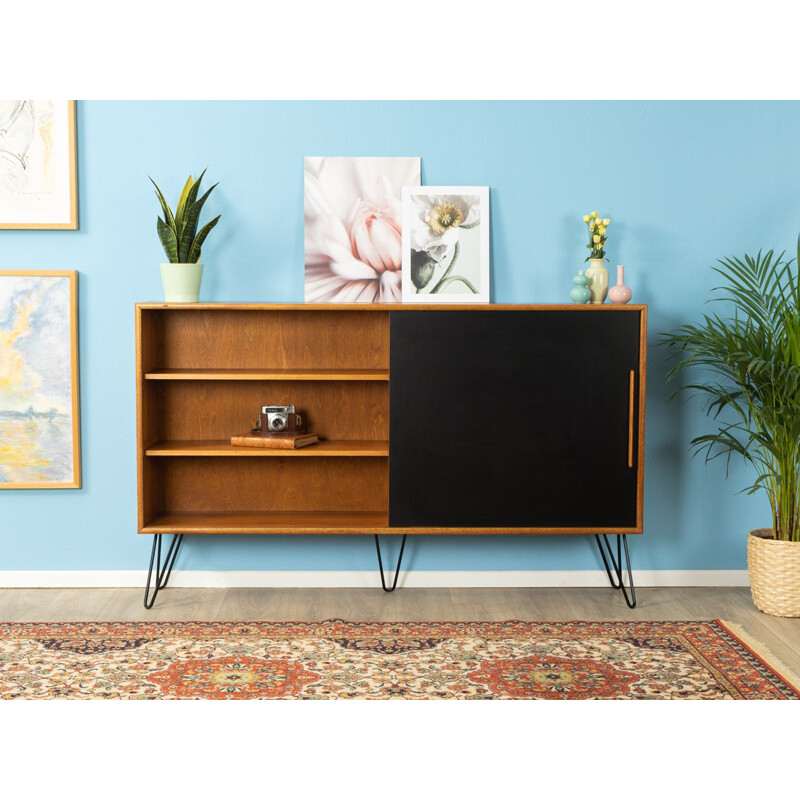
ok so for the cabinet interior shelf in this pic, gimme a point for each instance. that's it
(267, 375)
(269, 522)
(219, 447)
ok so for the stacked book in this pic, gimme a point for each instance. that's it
(278, 441)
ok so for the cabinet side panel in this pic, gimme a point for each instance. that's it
(512, 419)
(641, 389)
(149, 332)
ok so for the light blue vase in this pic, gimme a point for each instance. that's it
(581, 294)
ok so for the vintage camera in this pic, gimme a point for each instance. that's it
(279, 419)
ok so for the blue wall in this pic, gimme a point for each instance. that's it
(684, 183)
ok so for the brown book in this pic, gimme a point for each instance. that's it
(278, 441)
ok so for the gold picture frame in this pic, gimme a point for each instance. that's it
(38, 165)
(40, 443)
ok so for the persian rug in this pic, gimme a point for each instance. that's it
(335, 659)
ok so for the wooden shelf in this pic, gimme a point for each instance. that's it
(203, 377)
(219, 447)
(278, 522)
(267, 375)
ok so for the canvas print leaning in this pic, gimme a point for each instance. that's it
(353, 228)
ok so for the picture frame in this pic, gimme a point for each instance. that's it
(39, 380)
(446, 244)
(38, 165)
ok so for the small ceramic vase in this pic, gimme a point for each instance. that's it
(620, 294)
(580, 294)
(598, 280)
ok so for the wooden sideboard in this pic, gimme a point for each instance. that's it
(504, 419)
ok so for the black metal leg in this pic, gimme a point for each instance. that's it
(162, 573)
(396, 569)
(622, 540)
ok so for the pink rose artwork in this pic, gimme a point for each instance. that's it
(353, 228)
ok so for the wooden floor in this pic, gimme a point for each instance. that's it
(781, 636)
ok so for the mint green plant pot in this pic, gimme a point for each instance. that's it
(181, 282)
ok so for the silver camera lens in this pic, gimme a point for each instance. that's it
(278, 423)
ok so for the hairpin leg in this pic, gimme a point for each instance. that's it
(622, 539)
(396, 569)
(162, 573)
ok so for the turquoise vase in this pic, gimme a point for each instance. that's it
(581, 293)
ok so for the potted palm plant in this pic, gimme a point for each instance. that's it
(182, 242)
(751, 384)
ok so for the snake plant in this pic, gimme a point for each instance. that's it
(751, 358)
(178, 232)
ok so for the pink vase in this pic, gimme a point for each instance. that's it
(619, 294)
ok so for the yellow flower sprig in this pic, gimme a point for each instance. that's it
(597, 235)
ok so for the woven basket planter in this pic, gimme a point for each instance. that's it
(774, 568)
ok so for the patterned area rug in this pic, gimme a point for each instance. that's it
(413, 660)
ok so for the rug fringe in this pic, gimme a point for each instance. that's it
(778, 666)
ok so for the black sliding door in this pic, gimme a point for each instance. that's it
(506, 418)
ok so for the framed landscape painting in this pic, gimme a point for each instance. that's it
(39, 417)
(38, 173)
(446, 244)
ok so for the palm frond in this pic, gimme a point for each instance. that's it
(750, 363)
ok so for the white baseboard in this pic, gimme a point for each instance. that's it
(29, 579)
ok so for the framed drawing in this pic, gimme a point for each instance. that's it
(353, 231)
(39, 417)
(38, 173)
(446, 244)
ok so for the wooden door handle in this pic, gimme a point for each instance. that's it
(630, 421)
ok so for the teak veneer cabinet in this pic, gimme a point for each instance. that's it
(437, 419)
